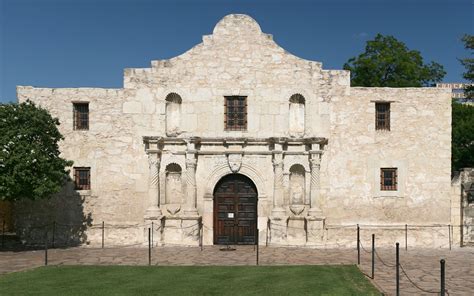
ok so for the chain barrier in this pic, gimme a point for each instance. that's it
(412, 282)
(415, 285)
(383, 262)
(363, 249)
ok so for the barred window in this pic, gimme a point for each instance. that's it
(235, 113)
(388, 179)
(82, 178)
(81, 116)
(382, 116)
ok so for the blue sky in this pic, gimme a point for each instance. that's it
(85, 43)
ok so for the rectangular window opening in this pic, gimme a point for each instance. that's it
(388, 179)
(82, 178)
(382, 116)
(81, 116)
(235, 113)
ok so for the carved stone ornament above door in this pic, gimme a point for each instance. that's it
(235, 162)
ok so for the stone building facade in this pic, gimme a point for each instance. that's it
(238, 141)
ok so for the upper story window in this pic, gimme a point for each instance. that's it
(388, 179)
(82, 178)
(81, 116)
(235, 113)
(382, 116)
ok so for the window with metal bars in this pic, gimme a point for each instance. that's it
(382, 116)
(235, 113)
(388, 179)
(82, 178)
(81, 116)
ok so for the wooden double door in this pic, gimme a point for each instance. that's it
(235, 211)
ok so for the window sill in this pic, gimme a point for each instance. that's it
(386, 195)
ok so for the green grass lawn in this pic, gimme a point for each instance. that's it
(188, 280)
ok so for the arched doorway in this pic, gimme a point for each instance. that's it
(235, 211)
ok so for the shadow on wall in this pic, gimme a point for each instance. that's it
(61, 220)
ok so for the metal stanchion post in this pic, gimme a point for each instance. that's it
(373, 255)
(398, 268)
(406, 237)
(201, 234)
(449, 231)
(103, 226)
(46, 250)
(149, 246)
(54, 233)
(266, 235)
(257, 245)
(443, 290)
(3, 234)
(152, 234)
(358, 245)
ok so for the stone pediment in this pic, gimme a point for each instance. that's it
(236, 37)
(238, 25)
(237, 50)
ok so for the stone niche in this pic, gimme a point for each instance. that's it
(173, 114)
(297, 189)
(297, 115)
(296, 232)
(173, 188)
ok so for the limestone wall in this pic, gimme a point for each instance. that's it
(418, 144)
(238, 59)
(112, 148)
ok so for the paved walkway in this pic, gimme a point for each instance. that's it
(422, 265)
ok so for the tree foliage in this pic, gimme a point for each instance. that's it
(30, 165)
(468, 63)
(388, 62)
(462, 136)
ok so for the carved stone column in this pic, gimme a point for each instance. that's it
(191, 193)
(315, 195)
(153, 211)
(278, 210)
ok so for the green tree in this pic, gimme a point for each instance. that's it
(468, 63)
(462, 136)
(388, 62)
(30, 165)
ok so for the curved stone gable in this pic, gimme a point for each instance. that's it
(237, 53)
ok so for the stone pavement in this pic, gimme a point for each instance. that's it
(422, 265)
